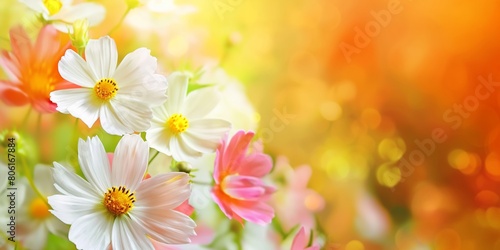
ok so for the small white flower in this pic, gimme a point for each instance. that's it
(115, 206)
(62, 14)
(5, 203)
(179, 127)
(121, 96)
(36, 221)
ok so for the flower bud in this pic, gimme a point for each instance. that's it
(80, 35)
(133, 3)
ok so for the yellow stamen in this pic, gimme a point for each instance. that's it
(105, 89)
(177, 123)
(39, 209)
(119, 200)
(53, 6)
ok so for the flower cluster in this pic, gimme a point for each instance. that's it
(175, 139)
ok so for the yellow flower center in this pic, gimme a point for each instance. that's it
(177, 123)
(39, 209)
(119, 200)
(105, 89)
(53, 6)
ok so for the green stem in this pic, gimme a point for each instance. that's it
(29, 176)
(25, 119)
(75, 131)
(201, 183)
(239, 236)
(225, 54)
(38, 124)
(120, 22)
(154, 156)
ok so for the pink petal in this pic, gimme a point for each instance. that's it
(301, 177)
(12, 96)
(254, 211)
(166, 190)
(256, 164)
(110, 158)
(50, 45)
(21, 45)
(245, 187)
(220, 198)
(300, 241)
(185, 208)
(218, 163)
(236, 150)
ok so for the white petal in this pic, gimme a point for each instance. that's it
(36, 237)
(74, 69)
(160, 114)
(169, 227)
(181, 151)
(44, 181)
(201, 102)
(56, 226)
(111, 121)
(3, 172)
(205, 135)
(201, 144)
(94, 163)
(129, 162)
(92, 231)
(79, 102)
(159, 139)
(151, 91)
(94, 13)
(163, 191)
(102, 56)
(70, 208)
(209, 128)
(62, 27)
(128, 235)
(134, 67)
(35, 5)
(70, 183)
(121, 116)
(177, 90)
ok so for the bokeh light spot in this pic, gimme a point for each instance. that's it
(388, 175)
(354, 245)
(177, 46)
(492, 164)
(458, 159)
(487, 198)
(391, 149)
(493, 217)
(314, 202)
(330, 110)
(345, 91)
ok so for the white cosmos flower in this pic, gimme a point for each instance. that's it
(180, 128)
(62, 14)
(36, 221)
(115, 206)
(121, 96)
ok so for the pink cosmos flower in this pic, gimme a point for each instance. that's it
(300, 241)
(239, 190)
(294, 202)
(31, 68)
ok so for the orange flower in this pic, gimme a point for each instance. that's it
(31, 69)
